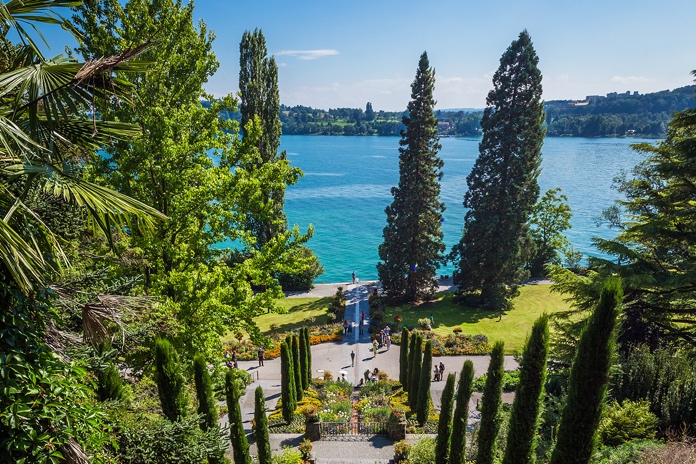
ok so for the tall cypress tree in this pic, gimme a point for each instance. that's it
(524, 419)
(303, 358)
(589, 376)
(240, 445)
(461, 413)
(170, 381)
(297, 365)
(263, 443)
(204, 393)
(415, 372)
(411, 360)
(490, 406)
(502, 187)
(423, 406)
(403, 358)
(413, 245)
(444, 425)
(309, 355)
(287, 381)
(259, 97)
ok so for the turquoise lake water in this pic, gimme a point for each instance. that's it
(348, 180)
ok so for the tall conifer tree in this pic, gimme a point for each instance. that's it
(589, 377)
(309, 355)
(204, 393)
(416, 372)
(170, 381)
(303, 358)
(444, 424)
(403, 358)
(423, 406)
(524, 420)
(263, 443)
(240, 445)
(502, 187)
(287, 381)
(490, 406)
(297, 365)
(260, 98)
(413, 244)
(461, 413)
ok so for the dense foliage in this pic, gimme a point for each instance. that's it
(444, 424)
(589, 378)
(490, 407)
(460, 420)
(502, 187)
(263, 444)
(423, 404)
(413, 245)
(524, 418)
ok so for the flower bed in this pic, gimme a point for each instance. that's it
(452, 345)
(247, 351)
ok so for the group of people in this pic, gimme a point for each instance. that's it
(231, 359)
(369, 377)
(439, 372)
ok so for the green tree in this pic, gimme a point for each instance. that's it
(170, 167)
(110, 385)
(423, 405)
(304, 347)
(171, 385)
(415, 372)
(369, 112)
(653, 252)
(589, 377)
(490, 406)
(413, 245)
(308, 344)
(444, 424)
(461, 413)
(297, 367)
(240, 445)
(204, 393)
(524, 419)
(263, 444)
(287, 380)
(502, 187)
(550, 217)
(259, 99)
(403, 359)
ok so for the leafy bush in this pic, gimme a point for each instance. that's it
(666, 378)
(510, 381)
(424, 323)
(628, 453)
(288, 456)
(423, 452)
(242, 379)
(153, 440)
(306, 449)
(401, 451)
(622, 423)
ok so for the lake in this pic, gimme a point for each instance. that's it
(347, 185)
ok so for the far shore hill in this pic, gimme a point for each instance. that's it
(616, 114)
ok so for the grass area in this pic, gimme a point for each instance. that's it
(513, 328)
(298, 309)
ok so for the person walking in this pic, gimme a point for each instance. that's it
(360, 328)
(442, 370)
(353, 277)
(260, 353)
(234, 359)
(352, 358)
(366, 374)
(345, 326)
(374, 348)
(388, 339)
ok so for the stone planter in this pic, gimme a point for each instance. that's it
(397, 432)
(313, 431)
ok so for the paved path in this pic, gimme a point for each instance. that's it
(335, 357)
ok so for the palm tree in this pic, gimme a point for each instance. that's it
(48, 132)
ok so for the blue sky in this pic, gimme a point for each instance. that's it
(346, 53)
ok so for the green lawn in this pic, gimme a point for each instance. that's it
(298, 309)
(513, 328)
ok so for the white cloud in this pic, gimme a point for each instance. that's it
(308, 54)
(631, 79)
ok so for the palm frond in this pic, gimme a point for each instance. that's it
(21, 259)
